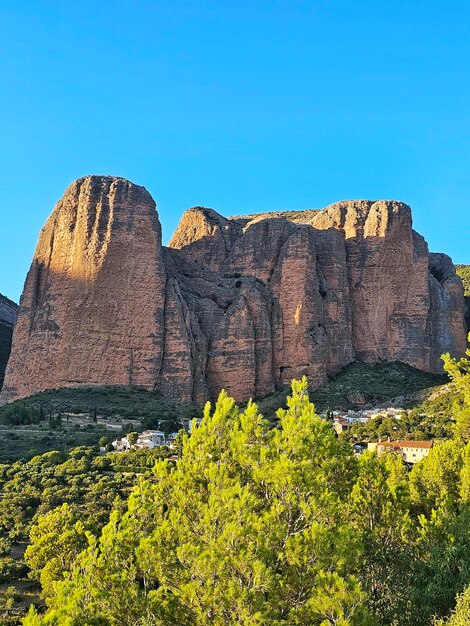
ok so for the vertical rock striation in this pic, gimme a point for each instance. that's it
(92, 307)
(244, 304)
(309, 292)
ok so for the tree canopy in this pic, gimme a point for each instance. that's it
(269, 526)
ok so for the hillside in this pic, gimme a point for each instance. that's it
(64, 418)
(361, 385)
(255, 525)
(109, 403)
(464, 272)
(6, 333)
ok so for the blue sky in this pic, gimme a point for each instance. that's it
(241, 106)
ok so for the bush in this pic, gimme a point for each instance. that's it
(11, 570)
(5, 546)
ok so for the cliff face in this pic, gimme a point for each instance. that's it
(8, 311)
(244, 304)
(314, 290)
(92, 307)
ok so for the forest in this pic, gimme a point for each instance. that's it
(253, 525)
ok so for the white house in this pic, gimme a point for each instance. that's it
(411, 451)
(121, 445)
(150, 439)
(341, 424)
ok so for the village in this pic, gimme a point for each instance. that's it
(343, 420)
(411, 451)
(150, 439)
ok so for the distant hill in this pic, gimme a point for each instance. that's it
(464, 272)
(8, 310)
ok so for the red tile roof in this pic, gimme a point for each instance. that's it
(406, 444)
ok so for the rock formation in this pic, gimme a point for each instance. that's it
(8, 310)
(92, 307)
(245, 303)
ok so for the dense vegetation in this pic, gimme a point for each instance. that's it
(464, 272)
(70, 494)
(363, 384)
(431, 419)
(254, 525)
(125, 402)
(270, 526)
(370, 384)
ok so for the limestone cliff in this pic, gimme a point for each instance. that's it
(245, 303)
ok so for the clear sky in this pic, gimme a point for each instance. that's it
(241, 106)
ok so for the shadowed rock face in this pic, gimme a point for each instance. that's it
(8, 311)
(244, 304)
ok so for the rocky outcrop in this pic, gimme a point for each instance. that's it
(93, 303)
(445, 289)
(8, 312)
(244, 303)
(352, 281)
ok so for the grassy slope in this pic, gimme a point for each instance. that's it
(113, 402)
(24, 442)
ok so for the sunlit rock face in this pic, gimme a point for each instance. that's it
(245, 304)
(92, 307)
